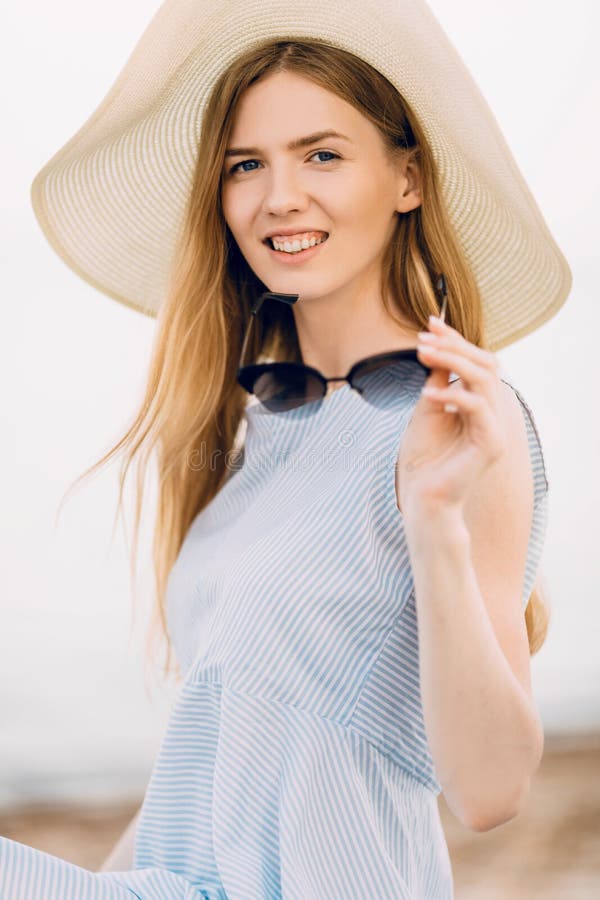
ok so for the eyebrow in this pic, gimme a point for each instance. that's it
(293, 145)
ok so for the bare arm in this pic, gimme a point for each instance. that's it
(484, 732)
(120, 859)
(482, 728)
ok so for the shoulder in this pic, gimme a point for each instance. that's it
(506, 487)
(514, 411)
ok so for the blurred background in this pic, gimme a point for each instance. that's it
(82, 716)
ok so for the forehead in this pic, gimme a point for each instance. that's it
(284, 105)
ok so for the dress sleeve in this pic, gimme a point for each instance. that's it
(540, 497)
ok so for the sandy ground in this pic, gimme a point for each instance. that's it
(551, 850)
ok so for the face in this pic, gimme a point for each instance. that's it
(286, 180)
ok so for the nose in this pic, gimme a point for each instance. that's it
(283, 192)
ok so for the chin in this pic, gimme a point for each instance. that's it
(297, 285)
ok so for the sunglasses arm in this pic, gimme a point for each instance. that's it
(246, 338)
(290, 299)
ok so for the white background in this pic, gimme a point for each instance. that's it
(77, 717)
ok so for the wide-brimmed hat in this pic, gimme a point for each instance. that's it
(111, 201)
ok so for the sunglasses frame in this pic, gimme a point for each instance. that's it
(247, 375)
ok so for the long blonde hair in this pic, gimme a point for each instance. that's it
(193, 405)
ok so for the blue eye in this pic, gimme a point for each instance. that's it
(333, 155)
(243, 163)
(246, 162)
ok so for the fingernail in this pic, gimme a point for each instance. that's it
(435, 320)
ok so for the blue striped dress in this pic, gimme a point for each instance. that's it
(295, 763)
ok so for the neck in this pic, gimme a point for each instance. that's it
(335, 332)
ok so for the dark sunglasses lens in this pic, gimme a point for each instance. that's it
(378, 382)
(285, 387)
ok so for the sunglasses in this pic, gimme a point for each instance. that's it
(284, 386)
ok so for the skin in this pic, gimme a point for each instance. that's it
(461, 475)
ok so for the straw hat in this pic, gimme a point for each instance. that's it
(111, 201)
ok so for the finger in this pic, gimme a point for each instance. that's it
(447, 338)
(438, 377)
(455, 399)
(472, 373)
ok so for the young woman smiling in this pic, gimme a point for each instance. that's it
(346, 575)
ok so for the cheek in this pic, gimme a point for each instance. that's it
(238, 210)
(375, 210)
(355, 203)
(232, 200)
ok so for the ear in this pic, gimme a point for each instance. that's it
(409, 185)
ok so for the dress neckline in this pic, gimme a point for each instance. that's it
(256, 410)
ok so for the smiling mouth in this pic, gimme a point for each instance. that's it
(292, 245)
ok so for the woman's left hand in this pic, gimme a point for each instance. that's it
(442, 453)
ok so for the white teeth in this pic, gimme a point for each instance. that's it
(296, 245)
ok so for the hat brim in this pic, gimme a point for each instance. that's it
(111, 200)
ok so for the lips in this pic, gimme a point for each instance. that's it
(288, 235)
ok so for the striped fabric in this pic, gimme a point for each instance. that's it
(540, 509)
(295, 763)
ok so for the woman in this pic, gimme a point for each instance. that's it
(346, 596)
